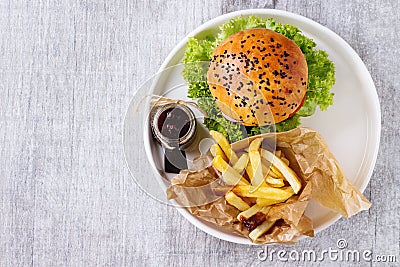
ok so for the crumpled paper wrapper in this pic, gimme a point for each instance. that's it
(309, 157)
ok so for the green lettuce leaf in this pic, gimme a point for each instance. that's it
(288, 124)
(242, 23)
(199, 90)
(215, 121)
(199, 50)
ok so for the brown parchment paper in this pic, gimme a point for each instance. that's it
(309, 157)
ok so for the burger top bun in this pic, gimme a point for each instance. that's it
(258, 77)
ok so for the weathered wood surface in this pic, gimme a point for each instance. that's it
(67, 72)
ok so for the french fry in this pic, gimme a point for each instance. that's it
(229, 175)
(241, 163)
(244, 215)
(269, 169)
(265, 210)
(264, 192)
(225, 146)
(260, 230)
(268, 202)
(275, 182)
(255, 145)
(255, 160)
(249, 170)
(275, 171)
(243, 181)
(278, 153)
(287, 172)
(285, 160)
(258, 177)
(236, 201)
(269, 172)
(215, 150)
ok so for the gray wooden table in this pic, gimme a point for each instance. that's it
(68, 70)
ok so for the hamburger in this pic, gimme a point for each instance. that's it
(258, 77)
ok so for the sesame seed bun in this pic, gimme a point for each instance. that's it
(258, 77)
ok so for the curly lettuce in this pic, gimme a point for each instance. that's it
(321, 76)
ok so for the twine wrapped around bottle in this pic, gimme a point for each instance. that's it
(157, 100)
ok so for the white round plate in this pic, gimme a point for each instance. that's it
(351, 127)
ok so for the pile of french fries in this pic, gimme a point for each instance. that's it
(258, 179)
